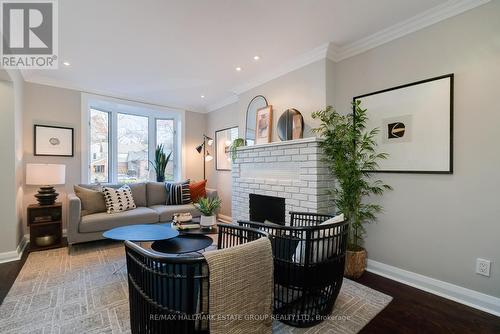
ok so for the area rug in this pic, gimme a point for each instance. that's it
(60, 293)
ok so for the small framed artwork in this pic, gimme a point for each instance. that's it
(264, 125)
(54, 141)
(223, 140)
(416, 125)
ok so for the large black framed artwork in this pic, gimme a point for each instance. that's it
(416, 125)
(223, 140)
(54, 141)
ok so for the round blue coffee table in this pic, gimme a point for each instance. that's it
(142, 232)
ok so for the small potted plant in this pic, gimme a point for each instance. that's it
(350, 153)
(160, 163)
(208, 208)
(238, 142)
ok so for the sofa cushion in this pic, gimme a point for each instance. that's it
(156, 193)
(178, 193)
(197, 190)
(118, 200)
(138, 190)
(139, 193)
(98, 222)
(92, 200)
(166, 212)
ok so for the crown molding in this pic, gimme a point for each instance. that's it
(425, 19)
(222, 103)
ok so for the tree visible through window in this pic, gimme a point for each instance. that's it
(99, 146)
(165, 135)
(133, 163)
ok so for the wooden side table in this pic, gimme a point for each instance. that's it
(45, 223)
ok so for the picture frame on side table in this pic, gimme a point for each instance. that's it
(415, 123)
(223, 140)
(264, 124)
(53, 141)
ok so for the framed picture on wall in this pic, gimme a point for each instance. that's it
(223, 140)
(415, 123)
(264, 123)
(54, 141)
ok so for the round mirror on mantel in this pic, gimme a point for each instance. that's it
(258, 102)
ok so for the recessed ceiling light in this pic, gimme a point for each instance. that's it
(256, 57)
(238, 69)
(203, 96)
(66, 63)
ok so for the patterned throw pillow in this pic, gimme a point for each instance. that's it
(118, 200)
(178, 193)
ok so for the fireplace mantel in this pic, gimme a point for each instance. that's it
(292, 170)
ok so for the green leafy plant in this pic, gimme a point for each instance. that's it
(160, 162)
(350, 153)
(238, 142)
(208, 206)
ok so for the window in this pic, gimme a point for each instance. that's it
(121, 140)
(99, 146)
(133, 157)
(165, 135)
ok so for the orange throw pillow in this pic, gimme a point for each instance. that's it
(198, 190)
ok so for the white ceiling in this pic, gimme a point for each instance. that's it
(171, 52)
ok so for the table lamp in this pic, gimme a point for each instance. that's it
(46, 176)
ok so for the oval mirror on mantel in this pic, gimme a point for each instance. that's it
(258, 102)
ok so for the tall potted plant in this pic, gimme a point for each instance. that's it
(350, 152)
(160, 162)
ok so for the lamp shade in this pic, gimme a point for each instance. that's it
(45, 174)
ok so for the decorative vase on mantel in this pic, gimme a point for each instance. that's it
(355, 263)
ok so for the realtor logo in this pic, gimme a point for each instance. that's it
(29, 30)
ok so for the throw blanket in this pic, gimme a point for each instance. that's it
(241, 288)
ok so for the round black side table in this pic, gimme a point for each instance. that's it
(182, 244)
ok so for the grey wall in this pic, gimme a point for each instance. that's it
(303, 89)
(437, 225)
(11, 111)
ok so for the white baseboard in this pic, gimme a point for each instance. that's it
(225, 219)
(16, 254)
(446, 290)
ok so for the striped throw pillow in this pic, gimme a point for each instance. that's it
(118, 200)
(178, 193)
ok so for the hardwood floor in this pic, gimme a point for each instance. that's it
(417, 311)
(411, 310)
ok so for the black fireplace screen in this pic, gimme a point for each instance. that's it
(269, 208)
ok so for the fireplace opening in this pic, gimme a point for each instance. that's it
(269, 208)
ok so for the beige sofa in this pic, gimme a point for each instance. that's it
(150, 199)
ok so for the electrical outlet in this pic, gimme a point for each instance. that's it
(483, 267)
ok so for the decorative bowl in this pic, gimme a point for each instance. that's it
(46, 240)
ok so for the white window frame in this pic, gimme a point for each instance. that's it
(115, 106)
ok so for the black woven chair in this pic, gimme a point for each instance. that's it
(309, 261)
(168, 293)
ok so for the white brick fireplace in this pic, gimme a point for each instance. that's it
(292, 170)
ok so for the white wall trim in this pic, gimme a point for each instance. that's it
(446, 290)
(16, 254)
(427, 18)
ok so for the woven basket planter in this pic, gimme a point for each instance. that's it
(355, 263)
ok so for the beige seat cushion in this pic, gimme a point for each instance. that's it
(92, 200)
(98, 222)
(166, 212)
